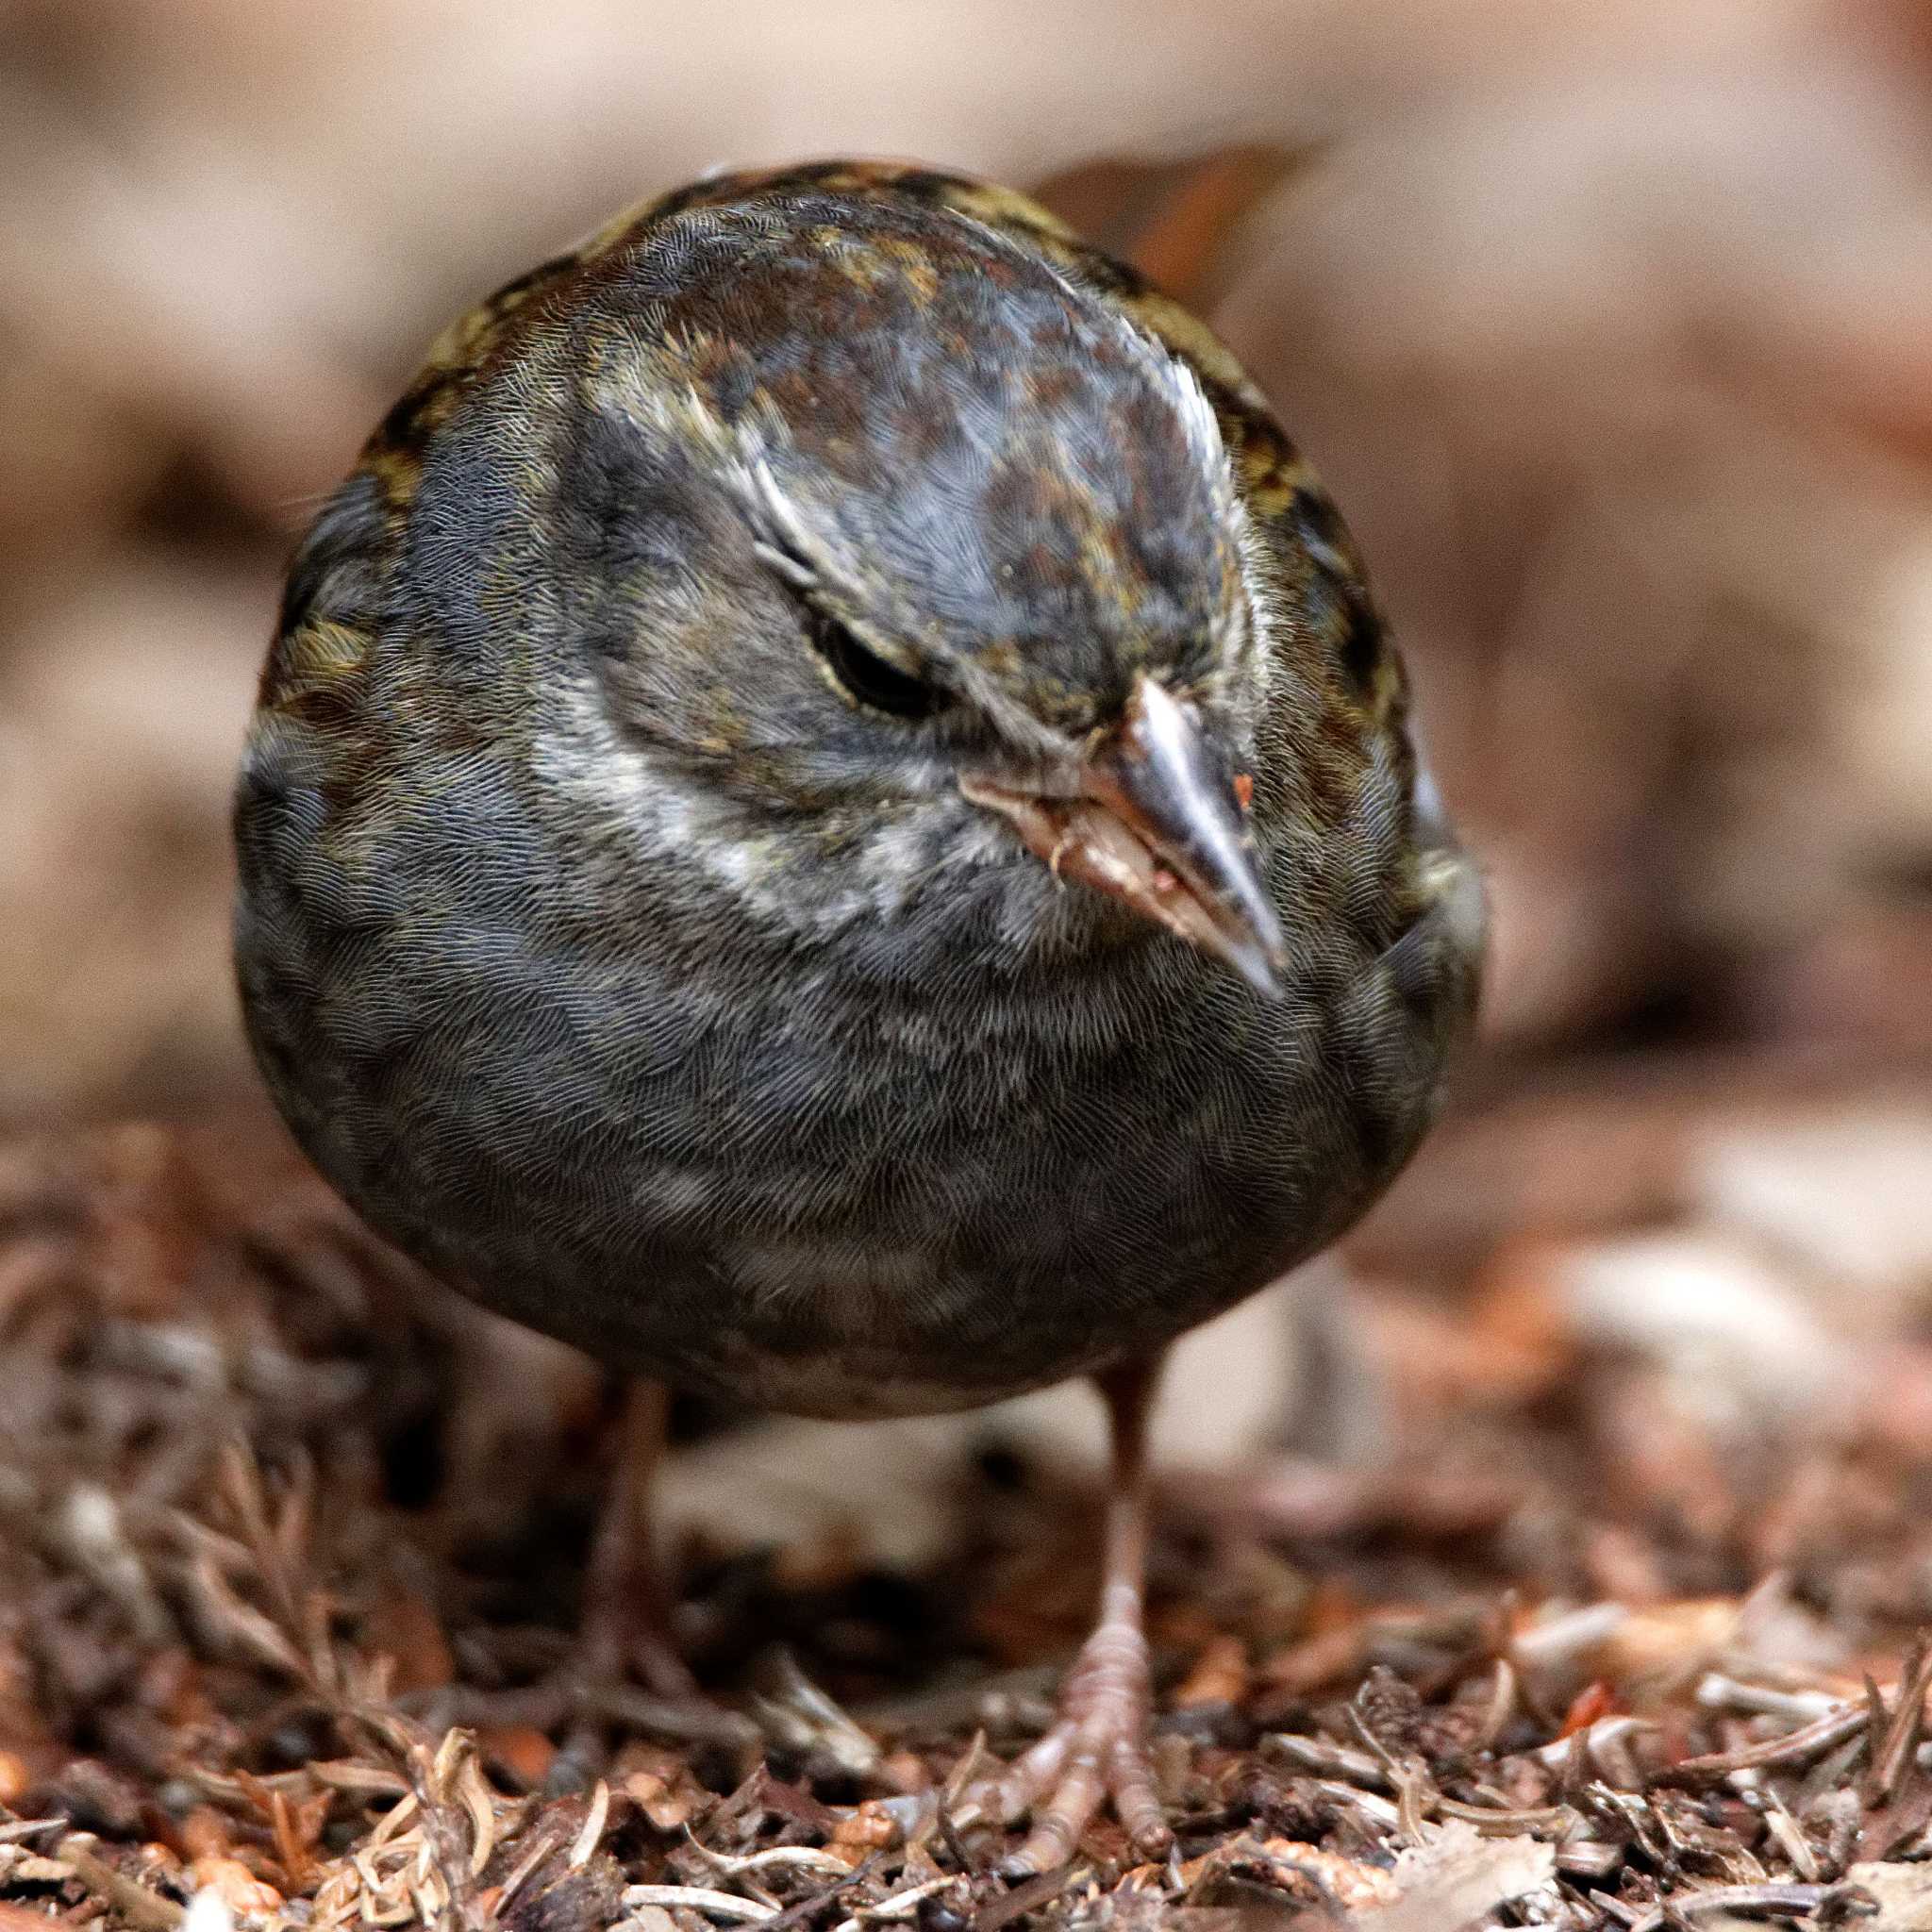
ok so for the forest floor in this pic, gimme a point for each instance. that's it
(1615, 1626)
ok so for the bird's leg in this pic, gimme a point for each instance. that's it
(623, 1637)
(627, 1615)
(1097, 1750)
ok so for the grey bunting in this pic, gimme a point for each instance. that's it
(831, 819)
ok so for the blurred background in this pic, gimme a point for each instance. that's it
(1609, 322)
(1606, 319)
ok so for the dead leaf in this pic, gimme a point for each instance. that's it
(1458, 1876)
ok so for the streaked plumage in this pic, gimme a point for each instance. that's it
(614, 958)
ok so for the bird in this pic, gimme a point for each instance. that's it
(831, 819)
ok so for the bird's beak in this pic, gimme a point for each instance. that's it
(1155, 820)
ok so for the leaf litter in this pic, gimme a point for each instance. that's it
(293, 1542)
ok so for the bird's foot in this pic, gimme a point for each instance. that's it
(603, 1710)
(1095, 1752)
(626, 1675)
(626, 1640)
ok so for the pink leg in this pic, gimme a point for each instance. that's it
(626, 1619)
(1097, 1750)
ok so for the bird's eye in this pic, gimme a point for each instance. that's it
(867, 676)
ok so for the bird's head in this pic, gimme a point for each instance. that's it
(889, 541)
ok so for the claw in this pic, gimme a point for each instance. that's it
(1095, 1754)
